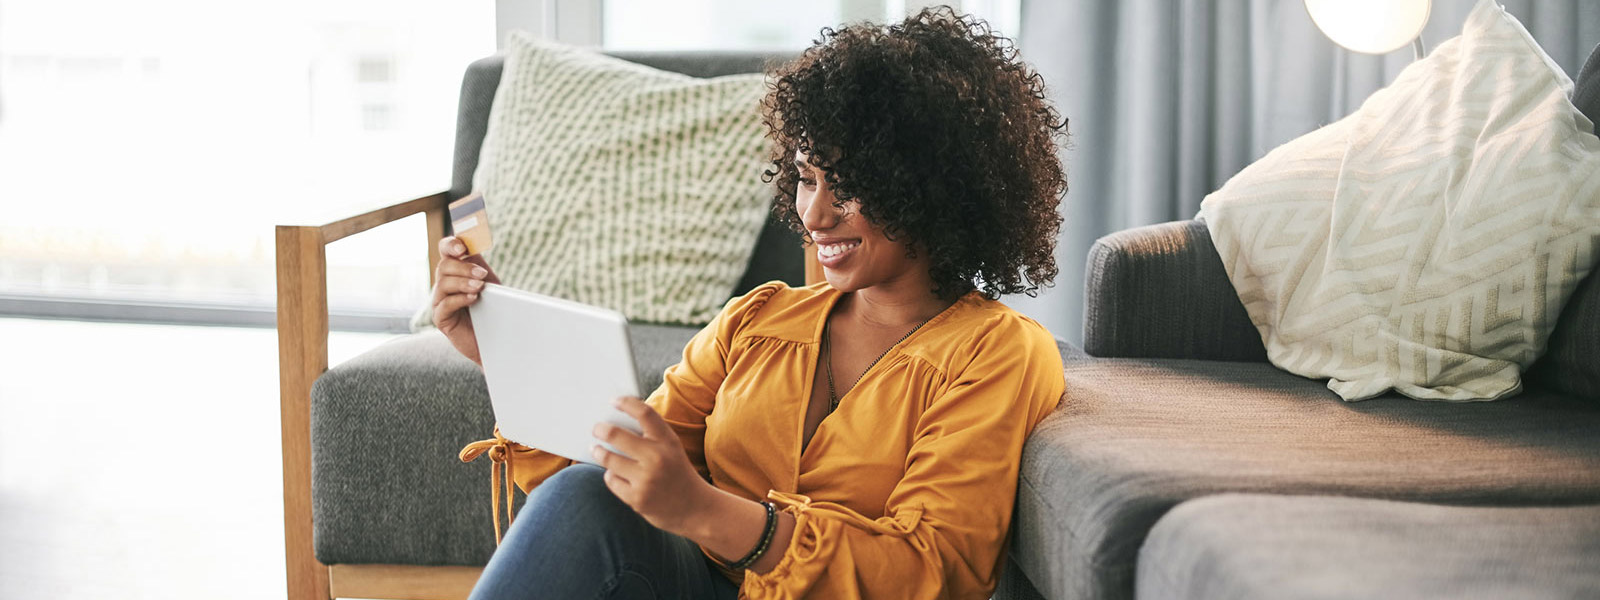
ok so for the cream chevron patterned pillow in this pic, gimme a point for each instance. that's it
(1426, 243)
(623, 186)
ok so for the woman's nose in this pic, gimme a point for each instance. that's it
(819, 213)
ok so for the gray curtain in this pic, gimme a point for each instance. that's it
(1169, 98)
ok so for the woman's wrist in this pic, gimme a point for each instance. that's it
(730, 527)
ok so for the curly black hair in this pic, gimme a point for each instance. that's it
(940, 132)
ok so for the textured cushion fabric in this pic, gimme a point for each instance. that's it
(1014, 585)
(1133, 437)
(1161, 292)
(623, 186)
(483, 78)
(387, 487)
(1244, 547)
(775, 258)
(1464, 210)
(1571, 363)
(1070, 352)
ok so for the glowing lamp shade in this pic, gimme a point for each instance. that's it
(1370, 26)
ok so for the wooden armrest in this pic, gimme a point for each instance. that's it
(434, 205)
(303, 356)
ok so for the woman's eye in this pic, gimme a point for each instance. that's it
(808, 182)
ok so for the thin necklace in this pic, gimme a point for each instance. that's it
(827, 348)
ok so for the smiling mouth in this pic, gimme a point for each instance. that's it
(832, 250)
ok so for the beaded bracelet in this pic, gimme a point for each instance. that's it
(766, 540)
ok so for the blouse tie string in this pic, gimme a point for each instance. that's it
(499, 451)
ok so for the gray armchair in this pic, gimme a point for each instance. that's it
(376, 504)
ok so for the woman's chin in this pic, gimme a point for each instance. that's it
(839, 281)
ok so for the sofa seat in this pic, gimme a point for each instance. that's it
(386, 426)
(1306, 547)
(1135, 437)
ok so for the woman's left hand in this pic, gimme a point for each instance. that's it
(656, 477)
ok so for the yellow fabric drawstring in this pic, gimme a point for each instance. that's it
(499, 450)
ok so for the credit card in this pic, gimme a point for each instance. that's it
(470, 222)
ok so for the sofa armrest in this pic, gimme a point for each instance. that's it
(302, 273)
(1161, 292)
(1071, 352)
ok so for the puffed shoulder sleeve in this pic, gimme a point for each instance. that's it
(688, 389)
(945, 524)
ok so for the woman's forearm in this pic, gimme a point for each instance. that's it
(730, 527)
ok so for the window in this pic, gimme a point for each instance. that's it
(147, 152)
(763, 25)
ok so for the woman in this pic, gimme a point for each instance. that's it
(856, 438)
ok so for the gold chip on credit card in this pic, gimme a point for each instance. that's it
(470, 222)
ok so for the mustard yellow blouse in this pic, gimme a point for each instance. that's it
(906, 490)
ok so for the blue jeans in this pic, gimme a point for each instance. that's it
(574, 539)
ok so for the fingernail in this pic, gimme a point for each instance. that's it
(596, 452)
(472, 296)
(479, 271)
(458, 248)
(474, 284)
(618, 402)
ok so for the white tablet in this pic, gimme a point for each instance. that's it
(553, 367)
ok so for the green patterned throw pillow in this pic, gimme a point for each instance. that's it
(620, 185)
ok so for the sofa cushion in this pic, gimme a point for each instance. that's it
(1309, 547)
(1463, 210)
(1133, 437)
(775, 256)
(387, 486)
(620, 185)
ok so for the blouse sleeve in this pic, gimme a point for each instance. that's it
(687, 393)
(688, 389)
(945, 524)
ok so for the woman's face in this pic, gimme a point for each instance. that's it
(854, 253)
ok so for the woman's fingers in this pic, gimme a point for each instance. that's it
(454, 276)
(456, 284)
(612, 461)
(455, 267)
(653, 425)
(452, 251)
(488, 272)
(620, 486)
(446, 308)
(451, 247)
(628, 443)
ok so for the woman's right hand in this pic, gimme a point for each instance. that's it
(456, 284)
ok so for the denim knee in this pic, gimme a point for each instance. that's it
(576, 501)
(575, 539)
(577, 481)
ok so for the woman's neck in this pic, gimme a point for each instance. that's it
(895, 304)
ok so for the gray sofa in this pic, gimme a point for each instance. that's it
(1174, 405)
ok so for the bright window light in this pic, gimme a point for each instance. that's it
(148, 148)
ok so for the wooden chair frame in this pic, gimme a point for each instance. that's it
(302, 269)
